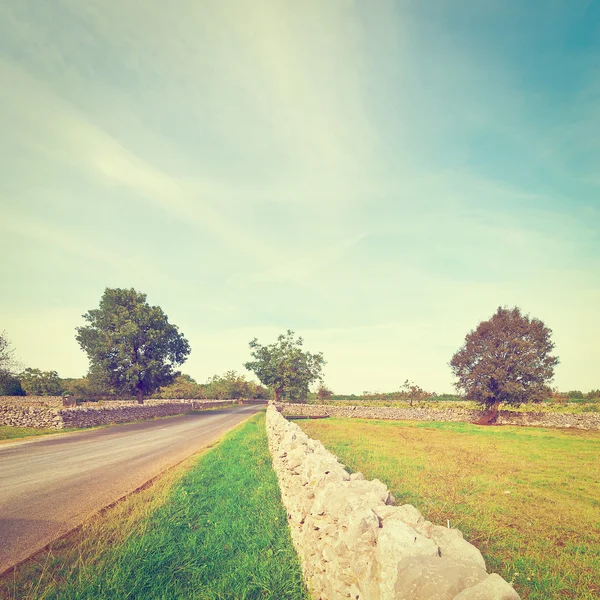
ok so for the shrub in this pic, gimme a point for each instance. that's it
(41, 383)
(10, 385)
(323, 393)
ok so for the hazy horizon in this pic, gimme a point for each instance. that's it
(377, 177)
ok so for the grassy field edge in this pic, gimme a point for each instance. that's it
(527, 497)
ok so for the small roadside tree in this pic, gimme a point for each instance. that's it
(413, 392)
(7, 354)
(505, 360)
(9, 382)
(323, 392)
(41, 383)
(285, 367)
(131, 345)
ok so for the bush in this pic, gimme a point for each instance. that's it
(183, 388)
(575, 394)
(449, 398)
(233, 385)
(41, 383)
(323, 393)
(559, 397)
(10, 385)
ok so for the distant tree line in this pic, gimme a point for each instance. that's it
(134, 351)
(230, 385)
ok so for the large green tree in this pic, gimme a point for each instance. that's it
(506, 359)
(131, 345)
(285, 367)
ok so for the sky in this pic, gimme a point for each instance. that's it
(377, 176)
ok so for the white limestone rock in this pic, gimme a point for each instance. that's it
(492, 588)
(398, 540)
(434, 578)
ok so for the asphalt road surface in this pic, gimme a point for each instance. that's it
(50, 485)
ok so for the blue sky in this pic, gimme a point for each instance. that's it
(378, 177)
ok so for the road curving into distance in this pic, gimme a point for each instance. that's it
(50, 485)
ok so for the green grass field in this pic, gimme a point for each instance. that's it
(528, 498)
(212, 529)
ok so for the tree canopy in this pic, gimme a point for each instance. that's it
(506, 359)
(131, 345)
(284, 367)
(41, 383)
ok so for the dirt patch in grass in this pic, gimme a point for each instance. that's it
(528, 498)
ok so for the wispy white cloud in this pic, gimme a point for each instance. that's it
(377, 175)
(52, 125)
(302, 270)
(65, 239)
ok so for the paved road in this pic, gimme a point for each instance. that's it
(50, 485)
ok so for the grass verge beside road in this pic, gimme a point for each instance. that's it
(211, 529)
(528, 498)
(8, 432)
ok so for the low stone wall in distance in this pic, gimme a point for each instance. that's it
(353, 541)
(107, 414)
(590, 421)
(48, 411)
(31, 411)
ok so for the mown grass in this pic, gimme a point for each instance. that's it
(212, 529)
(528, 498)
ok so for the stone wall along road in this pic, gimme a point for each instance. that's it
(48, 411)
(353, 541)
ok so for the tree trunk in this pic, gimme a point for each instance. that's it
(489, 418)
(140, 396)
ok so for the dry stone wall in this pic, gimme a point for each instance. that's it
(589, 421)
(31, 411)
(93, 416)
(354, 542)
(48, 412)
